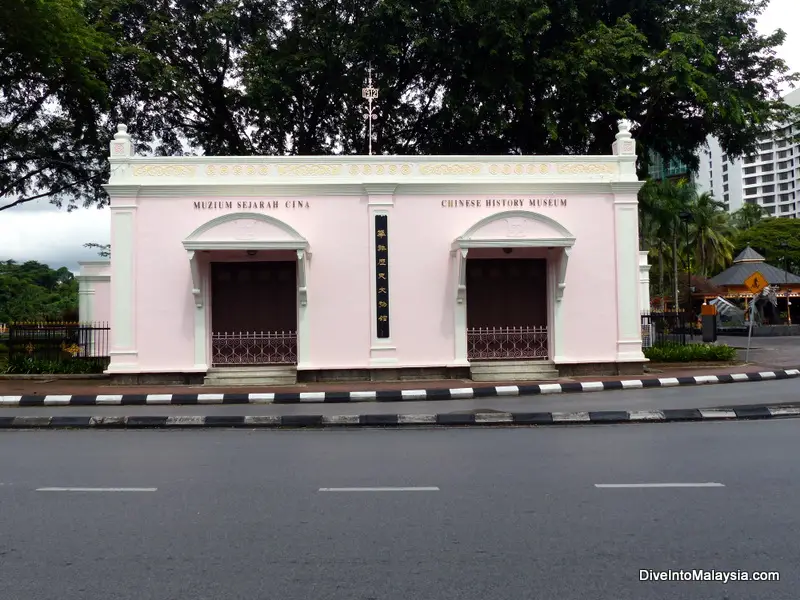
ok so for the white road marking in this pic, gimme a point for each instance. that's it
(381, 489)
(82, 489)
(658, 485)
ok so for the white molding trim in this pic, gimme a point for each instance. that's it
(561, 285)
(323, 188)
(303, 317)
(197, 282)
(93, 278)
(555, 308)
(460, 310)
(626, 187)
(466, 240)
(245, 245)
(201, 283)
(557, 263)
(297, 241)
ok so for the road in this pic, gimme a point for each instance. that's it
(507, 513)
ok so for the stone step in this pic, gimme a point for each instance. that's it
(251, 376)
(513, 370)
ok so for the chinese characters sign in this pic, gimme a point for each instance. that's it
(382, 274)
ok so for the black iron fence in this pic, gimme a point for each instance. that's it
(60, 342)
(663, 328)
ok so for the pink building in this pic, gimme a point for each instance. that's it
(271, 269)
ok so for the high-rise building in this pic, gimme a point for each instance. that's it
(674, 169)
(770, 177)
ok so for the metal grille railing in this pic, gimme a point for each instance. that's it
(506, 343)
(664, 328)
(254, 348)
(59, 341)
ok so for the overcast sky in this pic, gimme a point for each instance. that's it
(39, 231)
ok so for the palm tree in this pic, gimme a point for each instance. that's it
(654, 226)
(663, 202)
(711, 232)
(667, 208)
(747, 216)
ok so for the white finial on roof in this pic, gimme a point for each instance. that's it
(122, 133)
(624, 144)
(121, 145)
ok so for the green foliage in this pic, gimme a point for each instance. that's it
(766, 238)
(52, 56)
(670, 210)
(32, 291)
(103, 250)
(672, 352)
(249, 77)
(748, 216)
(25, 365)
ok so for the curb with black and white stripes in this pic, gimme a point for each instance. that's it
(389, 395)
(394, 420)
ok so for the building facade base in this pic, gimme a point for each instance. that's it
(600, 369)
(383, 374)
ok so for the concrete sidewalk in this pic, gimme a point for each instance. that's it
(784, 392)
(43, 386)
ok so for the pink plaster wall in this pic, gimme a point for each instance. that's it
(422, 276)
(102, 302)
(338, 276)
(423, 279)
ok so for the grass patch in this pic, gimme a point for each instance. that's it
(25, 365)
(679, 353)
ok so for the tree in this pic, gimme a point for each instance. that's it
(767, 237)
(711, 234)
(32, 291)
(52, 141)
(668, 210)
(748, 216)
(103, 250)
(462, 77)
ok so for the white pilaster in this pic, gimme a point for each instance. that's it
(557, 261)
(199, 296)
(85, 299)
(644, 282)
(460, 309)
(626, 242)
(123, 262)
(380, 201)
(123, 285)
(303, 318)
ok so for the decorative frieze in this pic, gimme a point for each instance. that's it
(237, 170)
(164, 171)
(587, 169)
(520, 169)
(451, 169)
(310, 170)
(380, 169)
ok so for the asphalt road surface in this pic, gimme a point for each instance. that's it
(488, 514)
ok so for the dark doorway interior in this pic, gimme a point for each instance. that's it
(506, 292)
(253, 296)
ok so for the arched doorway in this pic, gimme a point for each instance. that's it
(511, 278)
